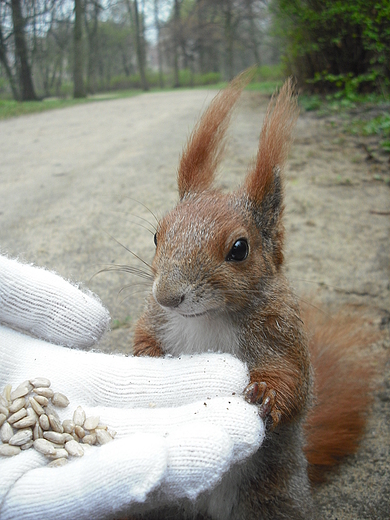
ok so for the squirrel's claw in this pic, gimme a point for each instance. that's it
(254, 392)
(258, 393)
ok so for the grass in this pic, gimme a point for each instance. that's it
(266, 79)
(379, 126)
(359, 110)
(11, 108)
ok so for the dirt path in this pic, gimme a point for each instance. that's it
(69, 177)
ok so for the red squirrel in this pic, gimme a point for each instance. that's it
(219, 285)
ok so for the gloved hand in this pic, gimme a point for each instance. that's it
(181, 423)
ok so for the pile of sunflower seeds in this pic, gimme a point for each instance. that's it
(28, 419)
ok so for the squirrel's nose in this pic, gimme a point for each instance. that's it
(170, 300)
(166, 296)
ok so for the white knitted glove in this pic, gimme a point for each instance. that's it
(181, 423)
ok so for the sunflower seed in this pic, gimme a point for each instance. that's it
(26, 422)
(45, 392)
(27, 446)
(89, 439)
(36, 406)
(39, 425)
(56, 463)
(21, 437)
(9, 451)
(4, 410)
(44, 422)
(37, 433)
(40, 381)
(6, 432)
(42, 400)
(17, 405)
(91, 423)
(21, 391)
(49, 410)
(74, 449)
(31, 413)
(45, 447)
(17, 416)
(103, 437)
(60, 453)
(79, 431)
(7, 393)
(68, 426)
(26, 384)
(57, 438)
(55, 424)
(60, 400)
(79, 416)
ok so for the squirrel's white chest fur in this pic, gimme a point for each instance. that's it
(199, 334)
(195, 335)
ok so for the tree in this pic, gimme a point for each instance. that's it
(27, 92)
(78, 67)
(253, 31)
(7, 67)
(159, 52)
(229, 38)
(176, 42)
(134, 15)
(335, 41)
(140, 46)
(91, 13)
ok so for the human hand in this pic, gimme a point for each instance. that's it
(180, 423)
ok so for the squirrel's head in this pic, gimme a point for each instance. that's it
(214, 249)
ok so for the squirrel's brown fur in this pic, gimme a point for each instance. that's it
(343, 394)
(219, 284)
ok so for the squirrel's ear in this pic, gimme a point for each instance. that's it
(204, 148)
(264, 184)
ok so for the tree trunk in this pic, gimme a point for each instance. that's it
(199, 7)
(78, 87)
(140, 45)
(134, 18)
(176, 22)
(253, 32)
(229, 39)
(92, 50)
(8, 71)
(25, 80)
(159, 54)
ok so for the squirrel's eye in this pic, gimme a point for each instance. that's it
(155, 239)
(239, 251)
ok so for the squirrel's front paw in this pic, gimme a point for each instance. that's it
(265, 398)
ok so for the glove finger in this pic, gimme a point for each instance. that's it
(233, 415)
(91, 378)
(47, 306)
(199, 455)
(11, 469)
(103, 482)
(133, 474)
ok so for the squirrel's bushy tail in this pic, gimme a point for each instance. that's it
(343, 378)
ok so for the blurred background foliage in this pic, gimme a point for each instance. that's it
(338, 50)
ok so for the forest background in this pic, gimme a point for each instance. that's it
(66, 48)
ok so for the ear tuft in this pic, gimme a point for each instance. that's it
(264, 183)
(205, 145)
(275, 141)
